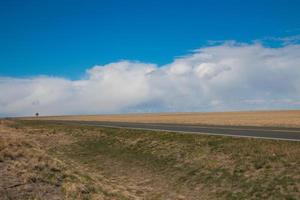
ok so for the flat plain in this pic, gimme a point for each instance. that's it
(285, 118)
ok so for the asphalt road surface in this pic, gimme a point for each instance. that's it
(292, 134)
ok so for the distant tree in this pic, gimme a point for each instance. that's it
(36, 114)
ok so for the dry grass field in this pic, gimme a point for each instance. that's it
(43, 160)
(252, 118)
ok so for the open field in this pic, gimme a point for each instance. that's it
(39, 159)
(253, 118)
(274, 133)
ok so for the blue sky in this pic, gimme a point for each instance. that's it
(64, 37)
(62, 57)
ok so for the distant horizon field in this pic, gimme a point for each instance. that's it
(278, 118)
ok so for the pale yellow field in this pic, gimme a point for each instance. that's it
(289, 118)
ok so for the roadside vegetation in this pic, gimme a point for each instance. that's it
(38, 158)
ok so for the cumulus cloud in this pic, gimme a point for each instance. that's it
(228, 76)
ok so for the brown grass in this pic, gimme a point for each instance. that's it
(29, 170)
(112, 163)
(252, 118)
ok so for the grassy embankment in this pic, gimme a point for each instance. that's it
(100, 163)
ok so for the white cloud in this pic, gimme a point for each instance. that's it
(228, 76)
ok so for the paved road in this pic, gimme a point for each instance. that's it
(292, 134)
